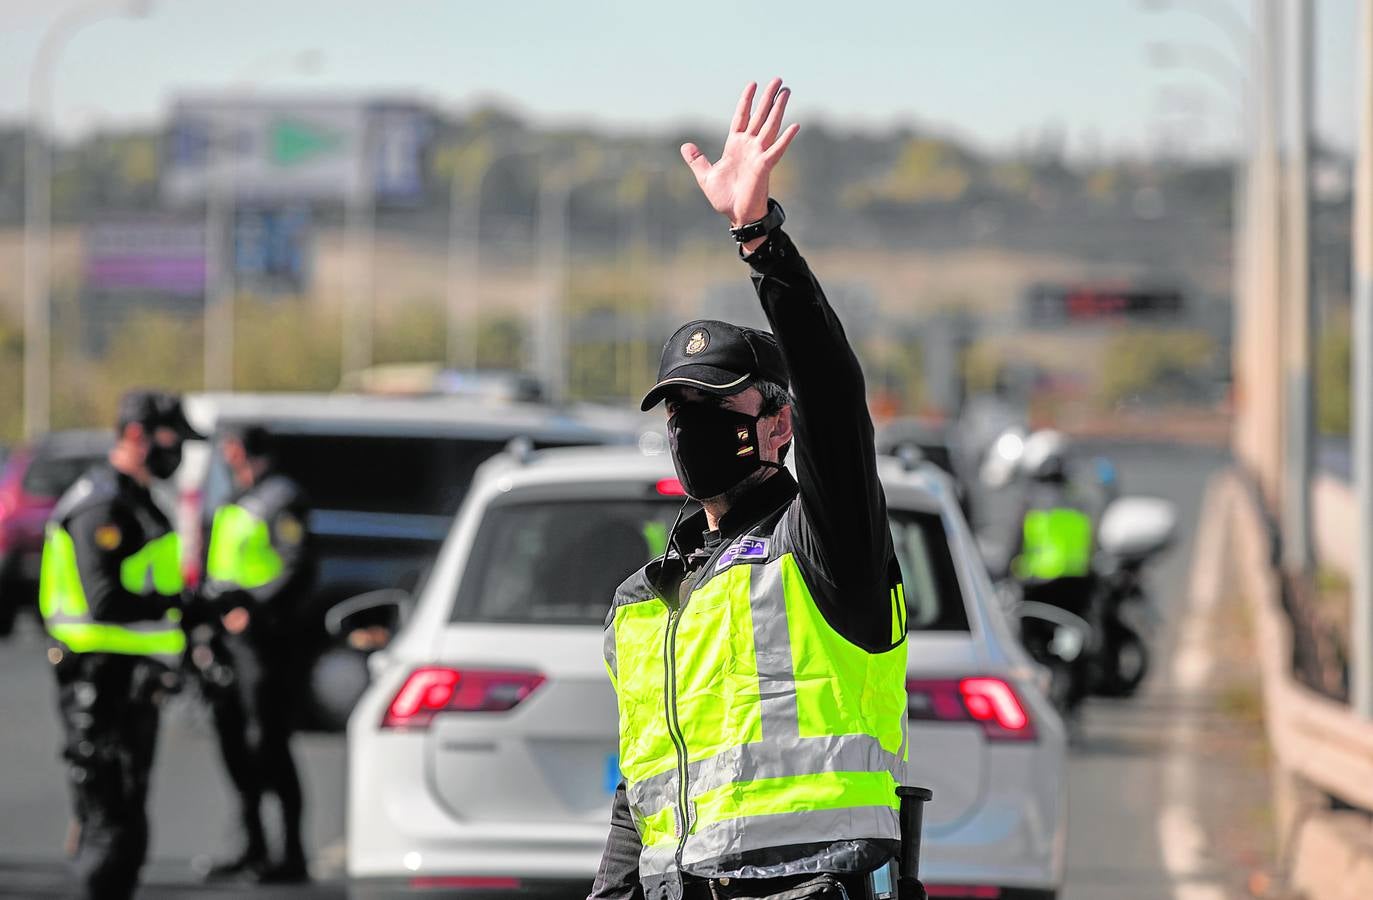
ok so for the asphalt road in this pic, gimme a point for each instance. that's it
(1116, 772)
(191, 807)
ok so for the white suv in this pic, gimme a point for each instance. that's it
(483, 757)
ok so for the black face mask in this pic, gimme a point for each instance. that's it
(713, 448)
(163, 461)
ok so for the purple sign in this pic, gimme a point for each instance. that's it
(158, 256)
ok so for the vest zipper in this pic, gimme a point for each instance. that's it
(674, 725)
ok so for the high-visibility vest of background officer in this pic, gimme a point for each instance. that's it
(1055, 538)
(241, 555)
(148, 557)
(1056, 542)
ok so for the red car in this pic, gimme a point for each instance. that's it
(34, 478)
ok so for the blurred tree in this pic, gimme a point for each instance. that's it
(926, 169)
(11, 383)
(148, 349)
(1333, 359)
(501, 342)
(893, 372)
(413, 333)
(1143, 361)
(286, 345)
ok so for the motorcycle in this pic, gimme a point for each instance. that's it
(1101, 646)
(1133, 532)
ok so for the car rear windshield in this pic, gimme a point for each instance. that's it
(559, 562)
(51, 476)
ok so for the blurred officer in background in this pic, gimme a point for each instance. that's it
(760, 663)
(1053, 542)
(110, 593)
(259, 566)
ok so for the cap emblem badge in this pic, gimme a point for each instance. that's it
(697, 342)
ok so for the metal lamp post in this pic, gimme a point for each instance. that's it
(464, 247)
(38, 208)
(220, 207)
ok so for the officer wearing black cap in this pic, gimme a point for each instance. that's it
(259, 565)
(760, 662)
(110, 594)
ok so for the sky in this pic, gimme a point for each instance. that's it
(1001, 73)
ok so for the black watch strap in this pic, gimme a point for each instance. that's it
(753, 230)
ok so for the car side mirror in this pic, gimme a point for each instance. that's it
(386, 609)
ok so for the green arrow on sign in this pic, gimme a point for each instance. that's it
(294, 142)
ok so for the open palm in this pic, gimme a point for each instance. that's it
(737, 183)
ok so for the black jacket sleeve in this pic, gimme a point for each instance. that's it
(618, 876)
(843, 522)
(104, 535)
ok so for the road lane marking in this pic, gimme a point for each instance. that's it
(1182, 838)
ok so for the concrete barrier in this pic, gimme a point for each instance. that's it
(1323, 753)
(1333, 520)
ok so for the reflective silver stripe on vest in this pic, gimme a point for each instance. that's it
(658, 860)
(772, 647)
(611, 659)
(803, 756)
(764, 832)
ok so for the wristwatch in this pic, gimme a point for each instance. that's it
(774, 219)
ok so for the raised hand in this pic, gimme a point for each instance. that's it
(737, 184)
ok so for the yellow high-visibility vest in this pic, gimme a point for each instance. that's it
(747, 722)
(155, 569)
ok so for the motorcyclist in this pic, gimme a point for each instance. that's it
(1053, 541)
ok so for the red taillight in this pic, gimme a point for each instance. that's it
(435, 689)
(670, 487)
(963, 890)
(990, 702)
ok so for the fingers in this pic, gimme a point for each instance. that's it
(773, 124)
(700, 165)
(774, 153)
(761, 113)
(745, 104)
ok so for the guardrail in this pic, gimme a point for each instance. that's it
(1323, 752)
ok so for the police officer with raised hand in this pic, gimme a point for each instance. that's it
(760, 663)
(110, 592)
(259, 566)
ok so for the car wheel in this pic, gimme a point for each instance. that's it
(1132, 664)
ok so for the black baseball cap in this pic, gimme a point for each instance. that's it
(155, 409)
(716, 358)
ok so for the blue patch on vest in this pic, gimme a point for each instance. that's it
(746, 549)
(612, 773)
